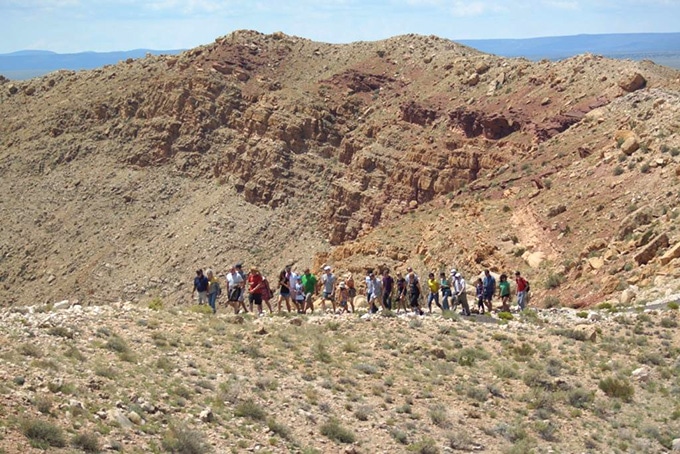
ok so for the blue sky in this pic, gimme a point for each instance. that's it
(104, 25)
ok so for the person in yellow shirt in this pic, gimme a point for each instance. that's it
(433, 285)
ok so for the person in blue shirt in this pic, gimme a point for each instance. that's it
(489, 289)
(200, 286)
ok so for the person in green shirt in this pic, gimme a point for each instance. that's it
(309, 285)
(504, 293)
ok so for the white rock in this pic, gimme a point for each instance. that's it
(65, 304)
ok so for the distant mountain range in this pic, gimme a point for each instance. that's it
(25, 64)
(662, 48)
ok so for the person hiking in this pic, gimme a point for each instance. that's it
(479, 294)
(433, 285)
(309, 285)
(351, 291)
(402, 291)
(489, 283)
(343, 296)
(200, 286)
(414, 292)
(504, 293)
(235, 288)
(284, 288)
(328, 284)
(387, 286)
(255, 289)
(445, 286)
(461, 296)
(214, 289)
(267, 293)
(299, 295)
(522, 289)
(376, 294)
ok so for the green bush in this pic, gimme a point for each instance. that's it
(424, 446)
(617, 387)
(551, 301)
(156, 304)
(580, 397)
(184, 441)
(582, 314)
(333, 430)
(505, 316)
(86, 441)
(249, 409)
(618, 170)
(554, 280)
(43, 434)
(674, 306)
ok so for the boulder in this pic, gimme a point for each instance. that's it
(117, 415)
(472, 80)
(672, 253)
(630, 145)
(676, 444)
(641, 374)
(555, 210)
(207, 415)
(632, 82)
(610, 284)
(534, 259)
(596, 262)
(650, 250)
(627, 296)
(134, 418)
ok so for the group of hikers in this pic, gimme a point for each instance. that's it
(383, 292)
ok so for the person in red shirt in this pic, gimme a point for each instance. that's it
(255, 288)
(522, 288)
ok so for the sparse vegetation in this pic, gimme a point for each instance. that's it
(335, 431)
(617, 387)
(43, 434)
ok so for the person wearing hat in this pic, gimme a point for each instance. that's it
(328, 283)
(343, 296)
(461, 296)
(235, 287)
(255, 289)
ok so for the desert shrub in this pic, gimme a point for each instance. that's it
(546, 430)
(551, 301)
(478, 394)
(250, 409)
(60, 331)
(43, 404)
(674, 306)
(668, 322)
(571, 333)
(31, 350)
(505, 316)
(182, 440)
(618, 170)
(279, 429)
(582, 314)
(399, 435)
(617, 387)
(336, 432)
(504, 370)
(156, 304)
(320, 353)
(554, 280)
(86, 441)
(651, 357)
(469, 356)
(580, 397)
(523, 351)
(117, 344)
(439, 416)
(424, 446)
(675, 152)
(644, 168)
(362, 413)
(43, 434)
(368, 369)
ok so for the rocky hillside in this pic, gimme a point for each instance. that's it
(118, 182)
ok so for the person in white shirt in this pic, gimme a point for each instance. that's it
(235, 287)
(461, 296)
(328, 282)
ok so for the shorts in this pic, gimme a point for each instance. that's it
(284, 294)
(352, 292)
(235, 294)
(488, 295)
(343, 303)
(327, 296)
(308, 297)
(203, 297)
(255, 298)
